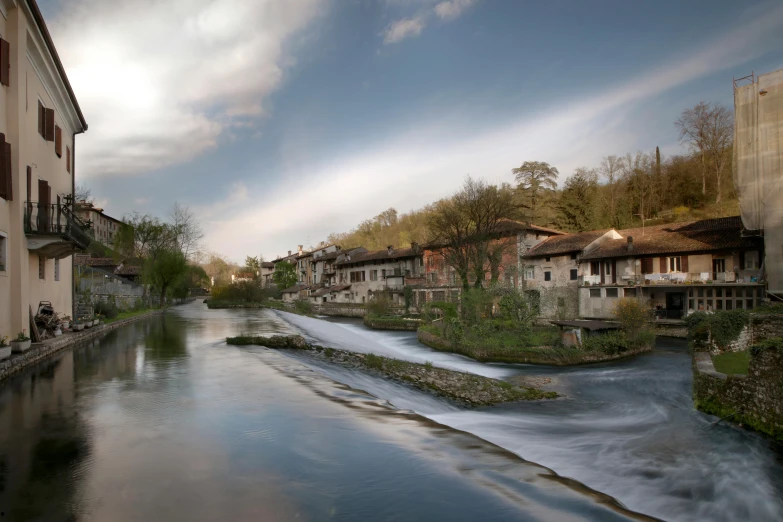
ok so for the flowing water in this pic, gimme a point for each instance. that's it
(161, 420)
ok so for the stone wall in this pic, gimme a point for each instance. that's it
(755, 400)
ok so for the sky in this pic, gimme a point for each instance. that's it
(280, 121)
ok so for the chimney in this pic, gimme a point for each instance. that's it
(390, 249)
(289, 252)
(415, 246)
(300, 249)
(630, 243)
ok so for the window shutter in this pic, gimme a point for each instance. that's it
(664, 267)
(58, 141)
(742, 260)
(614, 271)
(29, 190)
(49, 127)
(67, 159)
(684, 264)
(5, 173)
(5, 62)
(41, 118)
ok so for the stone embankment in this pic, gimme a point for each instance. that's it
(47, 348)
(394, 323)
(462, 387)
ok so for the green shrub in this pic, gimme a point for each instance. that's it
(373, 361)
(775, 343)
(428, 365)
(106, 309)
(244, 291)
(380, 304)
(724, 326)
(447, 310)
(303, 306)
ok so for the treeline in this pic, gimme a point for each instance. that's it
(623, 191)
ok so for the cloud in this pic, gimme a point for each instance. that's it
(160, 81)
(402, 29)
(450, 9)
(429, 162)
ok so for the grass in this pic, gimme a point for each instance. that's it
(539, 346)
(732, 363)
(128, 314)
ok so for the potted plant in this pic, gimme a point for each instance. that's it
(65, 322)
(88, 322)
(21, 343)
(77, 327)
(5, 348)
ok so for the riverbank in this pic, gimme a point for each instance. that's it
(548, 355)
(40, 351)
(466, 388)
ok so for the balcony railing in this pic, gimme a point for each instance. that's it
(744, 276)
(55, 220)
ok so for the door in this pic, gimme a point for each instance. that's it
(718, 267)
(44, 193)
(675, 302)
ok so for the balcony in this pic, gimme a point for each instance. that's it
(749, 276)
(53, 230)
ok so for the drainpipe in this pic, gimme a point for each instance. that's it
(73, 199)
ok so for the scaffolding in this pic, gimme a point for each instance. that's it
(758, 164)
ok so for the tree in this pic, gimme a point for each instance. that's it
(610, 169)
(253, 264)
(185, 229)
(708, 128)
(82, 193)
(285, 275)
(537, 181)
(577, 203)
(164, 269)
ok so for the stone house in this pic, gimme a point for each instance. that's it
(369, 273)
(267, 274)
(513, 239)
(103, 226)
(39, 119)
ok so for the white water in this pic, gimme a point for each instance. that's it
(627, 428)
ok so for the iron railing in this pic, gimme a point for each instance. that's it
(55, 220)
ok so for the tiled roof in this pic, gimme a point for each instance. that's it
(380, 255)
(267, 264)
(295, 289)
(557, 245)
(128, 270)
(693, 236)
(329, 289)
(95, 261)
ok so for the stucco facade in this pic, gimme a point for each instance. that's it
(37, 265)
(104, 227)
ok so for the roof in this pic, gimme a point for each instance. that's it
(329, 289)
(245, 275)
(564, 244)
(692, 236)
(95, 261)
(589, 325)
(39, 21)
(267, 264)
(509, 225)
(128, 270)
(295, 289)
(380, 255)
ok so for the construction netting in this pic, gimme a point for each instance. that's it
(758, 166)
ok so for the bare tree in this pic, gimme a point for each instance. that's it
(611, 169)
(186, 230)
(708, 128)
(82, 193)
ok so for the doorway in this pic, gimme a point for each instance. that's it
(675, 303)
(718, 269)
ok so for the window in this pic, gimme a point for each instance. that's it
(373, 275)
(547, 259)
(3, 246)
(348, 295)
(357, 277)
(573, 256)
(607, 268)
(547, 276)
(595, 292)
(383, 273)
(433, 277)
(751, 260)
(41, 267)
(574, 274)
(529, 273)
(629, 292)
(58, 141)
(675, 264)
(595, 268)
(453, 277)
(56, 269)
(5, 62)
(67, 159)
(612, 292)
(561, 302)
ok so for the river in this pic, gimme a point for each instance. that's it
(161, 420)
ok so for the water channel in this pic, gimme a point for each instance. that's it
(161, 420)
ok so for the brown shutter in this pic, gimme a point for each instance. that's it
(614, 271)
(742, 260)
(647, 265)
(602, 269)
(29, 190)
(4, 175)
(49, 129)
(41, 118)
(67, 159)
(664, 269)
(43, 206)
(5, 62)
(684, 264)
(58, 141)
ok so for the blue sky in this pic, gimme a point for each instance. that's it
(284, 120)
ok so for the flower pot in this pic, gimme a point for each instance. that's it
(5, 352)
(77, 327)
(65, 324)
(88, 324)
(20, 346)
(57, 332)
(96, 322)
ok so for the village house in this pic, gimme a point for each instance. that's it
(39, 117)
(103, 227)
(512, 239)
(267, 274)
(679, 268)
(363, 274)
(242, 277)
